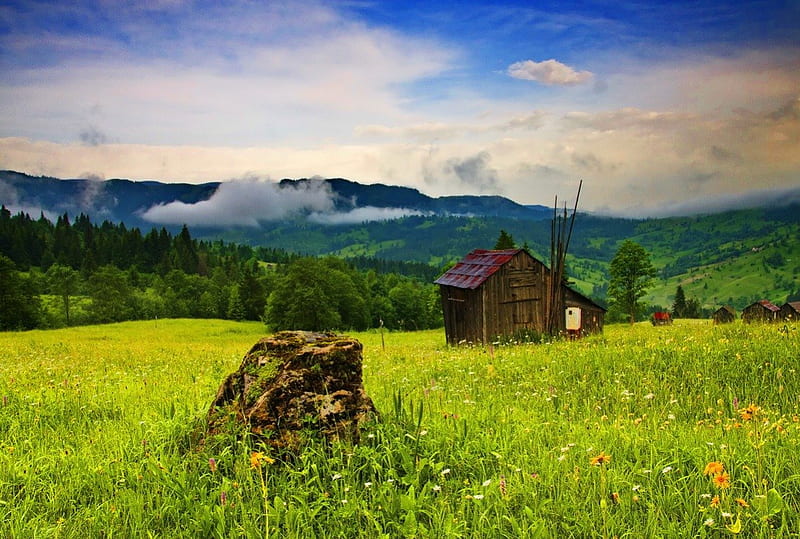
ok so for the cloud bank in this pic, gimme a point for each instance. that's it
(253, 202)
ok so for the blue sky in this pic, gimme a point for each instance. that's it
(660, 107)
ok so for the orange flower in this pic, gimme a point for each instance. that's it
(749, 413)
(722, 480)
(713, 468)
(600, 459)
(742, 502)
(714, 501)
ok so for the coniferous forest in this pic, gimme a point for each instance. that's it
(75, 272)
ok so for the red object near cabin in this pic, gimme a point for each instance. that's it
(661, 318)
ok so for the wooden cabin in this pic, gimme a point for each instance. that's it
(490, 293)
(724, 315)
(790, 311)
(760, 311)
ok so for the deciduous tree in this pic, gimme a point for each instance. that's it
(631, 274)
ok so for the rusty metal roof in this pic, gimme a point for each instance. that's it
(767, 305)
(473, 270)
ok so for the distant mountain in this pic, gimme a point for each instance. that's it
(128, 201)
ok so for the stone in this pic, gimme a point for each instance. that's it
(293, 386)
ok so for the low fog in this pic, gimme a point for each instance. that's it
(253, 202)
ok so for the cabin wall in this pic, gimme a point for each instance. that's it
(463, 314)
(517, 295)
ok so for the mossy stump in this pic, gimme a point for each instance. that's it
(293, 386)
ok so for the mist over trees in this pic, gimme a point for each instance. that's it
(70, 273)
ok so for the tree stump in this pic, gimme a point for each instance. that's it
(293, 386)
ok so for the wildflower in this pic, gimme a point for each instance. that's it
(749, 413)
(503, 490)
(722, 480)
(636, 487)
(742, 502)
(713, 468)
(223, 498)
(336, 476)
(437, 488)
(714, 502)
(666, 469)
(212, 465)
(708, 522)
(487, 482)
(368, 484)
(727, 515)
(600, 459)
(615, 497)
(445, 471)
(258, 458)
(478, 496)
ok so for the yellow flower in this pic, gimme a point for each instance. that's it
(714, 501)
(258, 458)
(742, 502)
(600, 459)
(749, 413)
(713, 468)
(722, 480)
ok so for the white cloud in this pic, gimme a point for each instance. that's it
(362, 215)
(550, 72)
(246, 203)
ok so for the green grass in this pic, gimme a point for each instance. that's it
(97, 437)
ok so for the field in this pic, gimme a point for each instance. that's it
(683, 431)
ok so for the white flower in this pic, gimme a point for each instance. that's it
(671, 417)
(666, 469)
(706, 495)
(368, 484)
(636, 487)
(478, 496)
(423, 432)
(649, 396)
(437, 488)
(445, 471)
(727, 515)
(487, 482)
(708, 522)
(561, 457)
(337, 476)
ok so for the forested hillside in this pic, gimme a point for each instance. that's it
(67, 273)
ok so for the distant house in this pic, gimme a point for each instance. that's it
(724, 315)
(790, 311)
(491, 293)
(760, 311)
(661, 318)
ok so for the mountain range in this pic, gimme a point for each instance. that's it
(732, 257)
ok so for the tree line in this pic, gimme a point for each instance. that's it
(68, 273)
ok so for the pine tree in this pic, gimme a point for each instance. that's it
(679, 305)
(504, 241)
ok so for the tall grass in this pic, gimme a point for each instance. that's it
(97, 437)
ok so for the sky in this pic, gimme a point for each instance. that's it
(660, 107)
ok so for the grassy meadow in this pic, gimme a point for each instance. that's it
(683, 431)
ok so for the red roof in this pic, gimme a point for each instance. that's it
(475, 268)
(769, 306)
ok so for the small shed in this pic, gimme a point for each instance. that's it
(492, 293)
(760, 311)
(724, 315)
(790, 311)
(661, 318)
